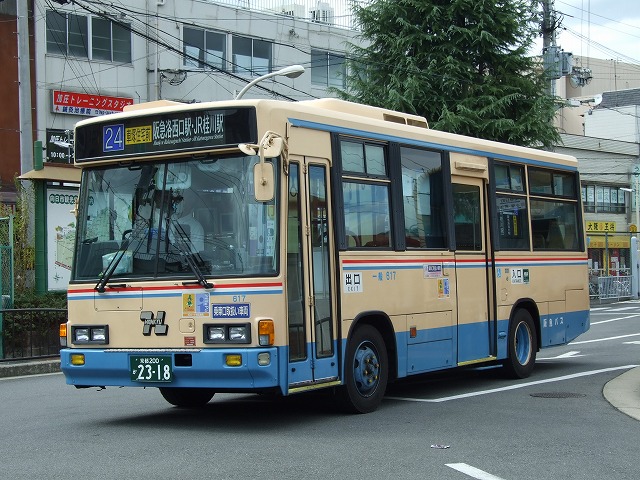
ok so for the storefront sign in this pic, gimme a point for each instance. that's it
(608, 241)
(56, 151)
(600, 226)
(73, 103)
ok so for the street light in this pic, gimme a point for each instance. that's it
(291, 71)
(636, 199)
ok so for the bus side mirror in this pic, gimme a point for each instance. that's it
(270, 146)
(263, 183)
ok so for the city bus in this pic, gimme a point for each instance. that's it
(284, 247)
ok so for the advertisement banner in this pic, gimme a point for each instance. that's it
(61, 234)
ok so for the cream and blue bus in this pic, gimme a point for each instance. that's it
(270, 246)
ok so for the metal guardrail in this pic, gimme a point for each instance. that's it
(610, 287)
(28, 333)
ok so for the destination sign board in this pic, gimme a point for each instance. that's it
(188, 131)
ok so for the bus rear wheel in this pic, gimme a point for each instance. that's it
(366, 371)
(187, 397)
(522, 345)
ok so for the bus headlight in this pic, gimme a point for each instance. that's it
(227, 333)
(98, 334)
(238, 334)
(216, 334)
(84, 334)
(80, 335)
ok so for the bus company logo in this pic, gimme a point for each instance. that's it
(352, 282)
(156, 323)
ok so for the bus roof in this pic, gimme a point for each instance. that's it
(334, 115)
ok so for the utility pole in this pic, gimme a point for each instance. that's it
(24, 87)
(550, 52)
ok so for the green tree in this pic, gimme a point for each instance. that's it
(462, 64)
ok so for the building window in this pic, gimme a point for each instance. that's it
(603, 199)
(98, 39)
(67, 34)
(110, 41)
(251, 56)
(327, 69)
(204, 49)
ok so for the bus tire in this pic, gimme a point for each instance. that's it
(366, 371)
(521, 345)
(187, 397)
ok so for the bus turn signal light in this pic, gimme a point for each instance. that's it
(63, 334)
(266, 333)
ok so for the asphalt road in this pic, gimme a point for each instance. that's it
(454, 425)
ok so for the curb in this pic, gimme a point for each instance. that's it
(33, 367)
(623, 392)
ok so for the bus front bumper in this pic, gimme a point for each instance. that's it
(250, 369)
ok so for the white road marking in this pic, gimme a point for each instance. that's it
(512, 387)
(632, 343)
(613, 320)
(605, 339)
(472, 471)
(622, 309)
(599, 308)
(573, 354)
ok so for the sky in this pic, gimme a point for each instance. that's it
(607, 29)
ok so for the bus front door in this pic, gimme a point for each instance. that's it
(311, 309)
(472, 288)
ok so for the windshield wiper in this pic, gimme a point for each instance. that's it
(184, 246)
(113, 264)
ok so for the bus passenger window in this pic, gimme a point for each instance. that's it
(467, 216)
(554, 225)
(423, 198)
(367, 214)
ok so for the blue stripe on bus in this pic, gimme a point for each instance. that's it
(170, 295)
(408, 141)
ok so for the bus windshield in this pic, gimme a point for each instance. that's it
(174, 218)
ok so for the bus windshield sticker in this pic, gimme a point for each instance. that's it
(352, 282)
(231, 310)
(195, 304)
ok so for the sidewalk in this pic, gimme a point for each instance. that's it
(19, 368)
(623, 392)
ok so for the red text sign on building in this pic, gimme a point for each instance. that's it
(73, 103)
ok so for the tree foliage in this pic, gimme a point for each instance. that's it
(462, 64)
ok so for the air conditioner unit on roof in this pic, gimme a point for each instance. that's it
(293, 10)
(323, 13)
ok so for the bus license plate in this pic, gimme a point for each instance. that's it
(151, 368)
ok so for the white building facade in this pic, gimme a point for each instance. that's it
(93, 58)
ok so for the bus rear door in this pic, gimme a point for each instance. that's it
(469, 177)
(310, 266)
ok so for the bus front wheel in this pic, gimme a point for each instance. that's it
(187, 397)
(522, 345)
(366, 371)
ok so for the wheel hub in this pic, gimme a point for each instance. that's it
(366, 369)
